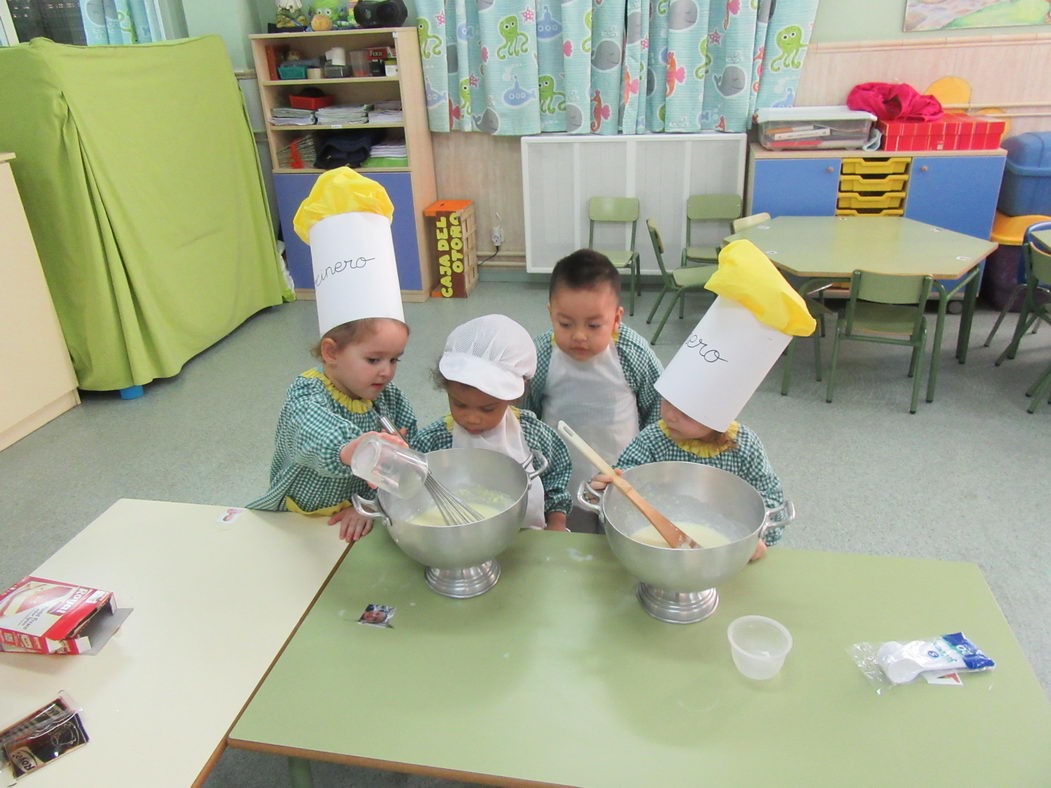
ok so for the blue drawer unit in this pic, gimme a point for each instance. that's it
(292, 189)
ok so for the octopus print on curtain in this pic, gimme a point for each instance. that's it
(609, 66)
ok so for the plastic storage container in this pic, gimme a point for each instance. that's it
(953, 131)
(1026, 188)
(808, 128)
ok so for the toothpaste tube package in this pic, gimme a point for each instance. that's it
(890, 664)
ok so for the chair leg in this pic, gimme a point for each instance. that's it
(1020, 328)
(1039, 390)
(914, 361)
(786, 376)
(1003, 314)
(832, 367)
(633, 285)
(667, 313)
(817, 356)
(664, 289)
(682, 305)
(916, 380)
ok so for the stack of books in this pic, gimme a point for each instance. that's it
(386, 112)
(343, 115)
(287, 116)
(298, 154)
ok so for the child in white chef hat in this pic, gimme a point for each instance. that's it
(716, 371)
(484, 369)
(329, 409)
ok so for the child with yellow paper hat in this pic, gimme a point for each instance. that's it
(329, 409)
(716, 371)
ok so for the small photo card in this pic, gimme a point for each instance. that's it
(377, 615)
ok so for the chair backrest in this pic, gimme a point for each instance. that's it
(708, 207)
(750, 221)
(612, 209)
(658, 246)
(713, 206)
(1037, 263)
(888, 289)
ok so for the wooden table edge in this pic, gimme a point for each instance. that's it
(217, 753)
(391, 766)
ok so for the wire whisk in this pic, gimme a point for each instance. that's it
(453, 509)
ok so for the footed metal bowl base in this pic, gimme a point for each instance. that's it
(677, 607)
(463, 583)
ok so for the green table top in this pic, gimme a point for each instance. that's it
(833, 246)
(557, 675)
(1044, 237)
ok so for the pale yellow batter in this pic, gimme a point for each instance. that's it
(704, 535)
(494, 504)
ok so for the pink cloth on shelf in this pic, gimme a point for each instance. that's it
(894, 102)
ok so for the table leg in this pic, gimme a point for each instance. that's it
(970, 298)
(939, 329)
(299, 773)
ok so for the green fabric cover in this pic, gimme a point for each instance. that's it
(139, 175)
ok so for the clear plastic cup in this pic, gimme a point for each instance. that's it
(758, 645)
(397, 469)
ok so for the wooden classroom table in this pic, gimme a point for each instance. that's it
(557, 675)
(830, 248)
(213, 602)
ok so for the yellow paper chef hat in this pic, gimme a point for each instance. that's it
(346, 221)
(728, 353)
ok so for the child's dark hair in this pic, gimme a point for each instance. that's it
(584, 269)
(354, 331)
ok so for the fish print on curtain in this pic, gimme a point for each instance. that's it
(609, 66)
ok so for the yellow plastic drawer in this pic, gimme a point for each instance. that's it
(870, 212)
(888, 200)
(892, 166)
(859, 183)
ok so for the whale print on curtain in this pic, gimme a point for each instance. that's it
(609, 66)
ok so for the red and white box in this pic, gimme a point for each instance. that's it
(42, 616)
(953, 131)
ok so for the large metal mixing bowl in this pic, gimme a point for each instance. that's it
(678, 585)
(460, 560)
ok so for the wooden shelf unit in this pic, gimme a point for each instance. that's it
(411, 188)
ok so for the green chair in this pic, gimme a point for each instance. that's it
(888, 309)
(619, 210)
(676, 282)
(707, 208)
(1037, 270)
(1039, 390)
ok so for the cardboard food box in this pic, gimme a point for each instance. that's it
(41, 616)
(450, 228)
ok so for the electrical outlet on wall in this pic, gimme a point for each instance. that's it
(497, 233)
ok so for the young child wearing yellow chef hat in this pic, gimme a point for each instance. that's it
(485, 367)
(329, 409)
(716, 371)
(593, 372)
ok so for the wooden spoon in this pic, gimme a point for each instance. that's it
(672, 534)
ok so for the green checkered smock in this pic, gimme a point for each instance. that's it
(538, 436)
(638, 361)
(316, 421)
(747, 460)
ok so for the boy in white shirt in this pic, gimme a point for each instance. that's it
(593, 372)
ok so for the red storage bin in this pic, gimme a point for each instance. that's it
(954, 131)
(310, 102)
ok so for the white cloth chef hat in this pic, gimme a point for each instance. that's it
(346, 220)
(493, 354)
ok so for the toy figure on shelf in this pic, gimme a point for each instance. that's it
(331, 15)
(290, 14)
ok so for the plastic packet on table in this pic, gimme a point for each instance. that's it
(48, 733)
(890, 664)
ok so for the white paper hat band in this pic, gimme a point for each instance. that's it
(355, 272)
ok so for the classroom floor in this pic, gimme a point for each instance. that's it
(960, 480)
